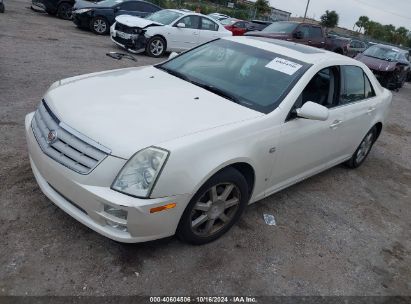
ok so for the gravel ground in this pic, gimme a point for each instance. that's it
(343, 232)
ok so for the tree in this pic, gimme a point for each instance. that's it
(262, 7)
(362, 22)
(329, 19)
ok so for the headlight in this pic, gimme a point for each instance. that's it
(82, 10)
(140, 173)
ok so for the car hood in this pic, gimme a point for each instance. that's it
(134, 21)
(377, 64)
(267, 34)
(130, 109)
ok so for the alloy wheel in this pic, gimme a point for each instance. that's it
(156, 47)
(100, 26)
(215, 209)
(364, 148)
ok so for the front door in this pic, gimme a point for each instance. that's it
(184, 38)
(307, 146)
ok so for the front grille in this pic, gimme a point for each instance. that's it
(68, 147)
(124, 28)
(123, 41)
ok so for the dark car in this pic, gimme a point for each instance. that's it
(61, 8)
(355, 47)
(259, 25)
(1, 6)
(303, 33)
(98, 17)
(388, 63)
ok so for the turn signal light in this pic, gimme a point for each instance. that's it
(161, 208)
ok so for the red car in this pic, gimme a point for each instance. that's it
(236, 26)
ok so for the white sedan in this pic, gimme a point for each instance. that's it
(165, 30)
(182, 147)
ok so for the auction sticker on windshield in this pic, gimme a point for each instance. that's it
(283, 65)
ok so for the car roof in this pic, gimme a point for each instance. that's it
(184, 12)
(294, 50)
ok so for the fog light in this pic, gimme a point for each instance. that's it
(116, 225)
(119, 213)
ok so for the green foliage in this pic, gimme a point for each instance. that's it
(329, 19)
(241, 11)
(362, 22)
(388, 33)
(262, 7)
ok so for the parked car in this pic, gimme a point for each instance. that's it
(236, 26)
(218, 16)
(60, 8)
(303, 33)
(182, 147)
(166, 30)
(388, 63)
(259, 25)
(98, 17)
(407, 54)
(355, 47)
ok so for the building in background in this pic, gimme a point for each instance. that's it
(279, 15)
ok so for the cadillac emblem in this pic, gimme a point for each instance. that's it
(52, 137)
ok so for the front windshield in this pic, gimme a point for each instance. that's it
(164, 16)
(382, 53)
(280, 27)
(249, 76)
(108, 3)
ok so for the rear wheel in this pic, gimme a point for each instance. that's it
(156, 47)
(99, 25)
(363, 149)
(64, 11)
(215, 208)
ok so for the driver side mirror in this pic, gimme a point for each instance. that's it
(298, 35)
(181, 25)
(313, 111)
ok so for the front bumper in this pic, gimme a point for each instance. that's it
(84, 197)
(134, 45)
(38, 5)
(82, 20)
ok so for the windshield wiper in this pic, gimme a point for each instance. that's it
(218, 91)
(208, 87)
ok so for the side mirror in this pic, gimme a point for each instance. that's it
(172, 55)
(314, 111)
(181, 25)
(298, 35)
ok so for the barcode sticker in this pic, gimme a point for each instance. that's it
(283, 65)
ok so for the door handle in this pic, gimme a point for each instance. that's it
(370, 110)
(335, 123)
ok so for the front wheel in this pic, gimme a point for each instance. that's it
(64, 11)
(156, 47)
(215, 208)
(363, 149)
(99, 25)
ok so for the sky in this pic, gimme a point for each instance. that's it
(396, 12)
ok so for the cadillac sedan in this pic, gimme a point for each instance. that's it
(184, 146)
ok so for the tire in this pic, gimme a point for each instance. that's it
(209, 215)
(64, 11)
(363, 149)
(99, 25)
(156, 47)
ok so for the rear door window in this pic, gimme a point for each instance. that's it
(316, 32)
(355, 85)
(207, 24)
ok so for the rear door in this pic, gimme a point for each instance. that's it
(184, 38)
(208, 30)
(358, 101)
(316, 38)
